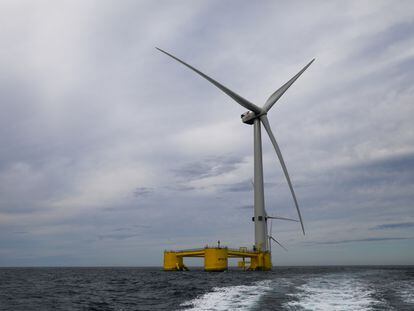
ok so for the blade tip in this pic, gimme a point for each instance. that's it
(161, 50)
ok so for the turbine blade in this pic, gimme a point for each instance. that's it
(271, 227)
(270, 244)
(269, 235)
(276, 95)
(282, 218)
(242, 101)
(279, 243)
(266, 124)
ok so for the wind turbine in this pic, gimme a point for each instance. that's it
(270, 236)
(257, 116)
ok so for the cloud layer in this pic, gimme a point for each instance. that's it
(112, 152)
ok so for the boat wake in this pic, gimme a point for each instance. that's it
(241, 297)
(335, 292)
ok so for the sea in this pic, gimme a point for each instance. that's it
(284, 288)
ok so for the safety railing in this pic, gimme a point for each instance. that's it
(240, 250)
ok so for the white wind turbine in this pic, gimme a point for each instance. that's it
(257, 116)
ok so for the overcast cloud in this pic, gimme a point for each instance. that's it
(112, 152)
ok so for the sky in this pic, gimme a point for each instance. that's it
(112, 152)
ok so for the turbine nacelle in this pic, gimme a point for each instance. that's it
(248, 117)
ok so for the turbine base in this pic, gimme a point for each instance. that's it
(216, 258)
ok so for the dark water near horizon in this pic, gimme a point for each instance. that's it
(294, 288)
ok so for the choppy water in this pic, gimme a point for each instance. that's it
(329, 288)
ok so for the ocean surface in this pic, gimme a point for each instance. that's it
(294, 288)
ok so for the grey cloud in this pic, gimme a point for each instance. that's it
(121, 229)
(180, 187)
(142, 191)
(119, 236)
(378, 175)
(377, 43)
(125, 208)
(401, 225)
(209, 167)
(245, 186)
(249, 207)
(237, 187)
(363, 240)
(385, 177)
(396, 164)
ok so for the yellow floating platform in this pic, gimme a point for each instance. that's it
(216, 258)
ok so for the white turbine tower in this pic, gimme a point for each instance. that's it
(257, 116)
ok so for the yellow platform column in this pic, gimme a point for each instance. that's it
(261, 262)
(267, 261)
(254, 263)
(215, 259)
(172, 262)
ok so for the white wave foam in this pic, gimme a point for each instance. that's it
(334, 292)
(242, 297)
